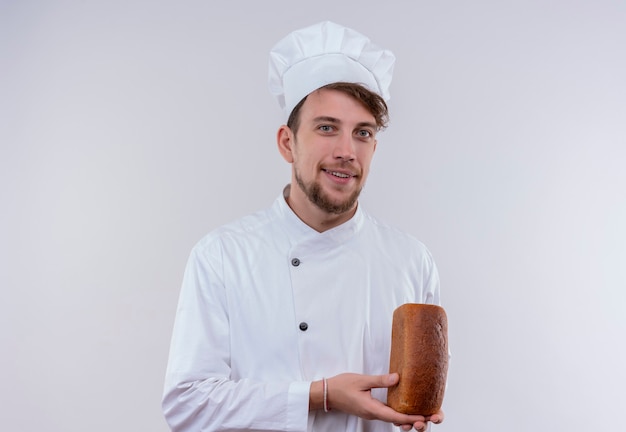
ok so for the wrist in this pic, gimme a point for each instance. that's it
(316, 396)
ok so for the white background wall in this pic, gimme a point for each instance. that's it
(129, 129)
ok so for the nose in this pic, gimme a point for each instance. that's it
(344, 147)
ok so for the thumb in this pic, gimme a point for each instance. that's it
(389, 380)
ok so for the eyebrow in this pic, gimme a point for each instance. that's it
(334, 120)
(326, 119)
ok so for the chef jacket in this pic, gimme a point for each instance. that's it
(269, 305)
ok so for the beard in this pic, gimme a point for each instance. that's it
(316, 195)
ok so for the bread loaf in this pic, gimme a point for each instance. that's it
(419, 354)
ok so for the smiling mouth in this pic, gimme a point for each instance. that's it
(338, 174)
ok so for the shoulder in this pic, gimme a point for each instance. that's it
(390, 233)
(394, 240)
(245, 229)
(403, 256)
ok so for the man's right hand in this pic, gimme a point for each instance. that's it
(352, 394)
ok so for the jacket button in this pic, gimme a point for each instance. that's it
(303, 326)
(295, 262)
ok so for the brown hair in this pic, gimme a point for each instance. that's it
(371, 101)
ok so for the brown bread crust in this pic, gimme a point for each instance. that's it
(419, 354)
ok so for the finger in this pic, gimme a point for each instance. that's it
(437, 417)
(385, 413)
(389, 379)
(420, 426)
(367, 382)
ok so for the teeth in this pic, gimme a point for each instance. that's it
(338, 174)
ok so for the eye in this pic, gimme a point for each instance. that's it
(364, 133)
(326, 128)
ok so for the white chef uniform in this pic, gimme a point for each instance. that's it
(268, 305)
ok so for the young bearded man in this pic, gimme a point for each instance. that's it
(284, 317)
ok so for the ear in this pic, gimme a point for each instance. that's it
(285, 140)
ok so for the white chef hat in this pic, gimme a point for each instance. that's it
(325, 53)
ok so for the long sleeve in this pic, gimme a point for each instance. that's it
(200, 394)
(269, 305)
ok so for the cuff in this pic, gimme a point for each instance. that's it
(298, 406)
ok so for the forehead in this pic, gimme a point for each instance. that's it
(336, 104)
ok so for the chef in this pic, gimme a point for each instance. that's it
(284, 316)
